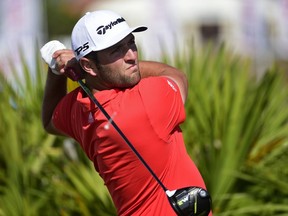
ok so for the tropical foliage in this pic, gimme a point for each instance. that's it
(41, 174)
(236, 132)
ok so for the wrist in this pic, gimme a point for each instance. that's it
(53, 76)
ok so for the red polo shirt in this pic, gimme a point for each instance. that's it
(149, 115)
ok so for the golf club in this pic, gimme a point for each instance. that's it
(188, 201)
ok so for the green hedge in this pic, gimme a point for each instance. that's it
(236, 132)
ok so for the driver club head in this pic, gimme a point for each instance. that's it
(190, 201)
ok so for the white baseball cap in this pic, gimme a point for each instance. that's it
(99, 30)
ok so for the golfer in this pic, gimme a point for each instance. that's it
(145, 99)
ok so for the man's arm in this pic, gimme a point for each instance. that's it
(150, 68)
(55, 88)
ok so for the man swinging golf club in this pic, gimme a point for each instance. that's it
(125, 116)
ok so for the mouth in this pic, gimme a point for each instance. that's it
(133, 68)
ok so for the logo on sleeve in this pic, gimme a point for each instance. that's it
(172, 85)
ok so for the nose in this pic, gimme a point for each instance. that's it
(130, 54)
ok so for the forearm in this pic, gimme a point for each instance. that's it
(55, 90)
(150, 68)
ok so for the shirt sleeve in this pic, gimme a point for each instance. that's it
(63, 114)
(163, 104)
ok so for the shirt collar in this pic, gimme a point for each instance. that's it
(102, 97)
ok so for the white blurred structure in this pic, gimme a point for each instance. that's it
(258, 28)
(20, 27)
(281, 38)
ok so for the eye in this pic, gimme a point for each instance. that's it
(132, 45)
(116, 49)
(132, 41)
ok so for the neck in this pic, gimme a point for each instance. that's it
(94, 85)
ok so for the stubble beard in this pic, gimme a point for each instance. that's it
(118, 79)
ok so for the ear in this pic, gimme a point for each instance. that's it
(88, 66)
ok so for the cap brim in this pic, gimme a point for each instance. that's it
(140, 29)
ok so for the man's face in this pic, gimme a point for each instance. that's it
(118, 65)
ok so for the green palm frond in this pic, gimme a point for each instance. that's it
(232, 119)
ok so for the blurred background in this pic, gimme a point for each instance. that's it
(257, 28)
(234, 53)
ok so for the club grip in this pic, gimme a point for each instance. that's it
(73, 75)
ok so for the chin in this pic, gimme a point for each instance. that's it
(132, 83)
(135, 77)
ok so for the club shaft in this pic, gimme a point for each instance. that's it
(96, 102)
